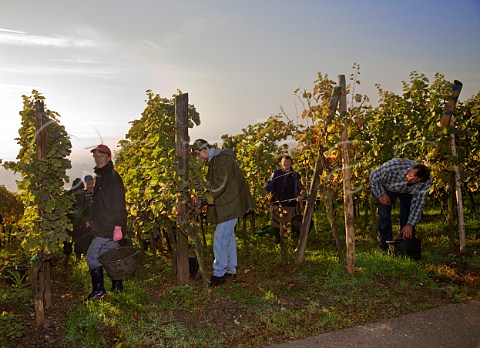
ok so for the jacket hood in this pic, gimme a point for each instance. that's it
(227, 151)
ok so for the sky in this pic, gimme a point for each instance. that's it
(239, 61)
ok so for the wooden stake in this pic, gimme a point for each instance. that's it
(41, 130)
(182, 150)
(347, 187)
(456, 89)
(320, 165)
(40, 275)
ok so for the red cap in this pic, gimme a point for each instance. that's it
(102, 148)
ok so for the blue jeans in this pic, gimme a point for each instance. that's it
(98, 246)
(385, 216)
(225, 248)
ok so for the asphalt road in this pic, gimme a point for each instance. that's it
(452, 326)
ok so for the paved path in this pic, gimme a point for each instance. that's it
(452, 326)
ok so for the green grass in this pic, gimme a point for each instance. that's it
(272, 299)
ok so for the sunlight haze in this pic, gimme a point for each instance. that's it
(239, 61)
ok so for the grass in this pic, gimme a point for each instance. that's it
(271, 300)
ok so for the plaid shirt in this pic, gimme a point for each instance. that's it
(390, 176)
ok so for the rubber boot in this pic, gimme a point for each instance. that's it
(98, 288)
(117, 285)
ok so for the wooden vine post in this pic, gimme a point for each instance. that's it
(40, 273)
(185, 229)
(446, 120)
(347, 175)
(182, 150)
(320, 165)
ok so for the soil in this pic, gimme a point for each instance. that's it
(63, 297)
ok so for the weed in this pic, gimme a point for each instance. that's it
(15, 297)
(82, 327)
(179, 297)
(10, 326)
(18, 279)
(269, 296)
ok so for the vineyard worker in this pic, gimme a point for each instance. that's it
(89, 182)
(410, 182)
(286, 187)
(81, 235)
(108, 215)
(228, 198)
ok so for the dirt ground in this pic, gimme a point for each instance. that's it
(63, 297)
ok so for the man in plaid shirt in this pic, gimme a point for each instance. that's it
(410, 182)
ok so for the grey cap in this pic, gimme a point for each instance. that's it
(199, 144)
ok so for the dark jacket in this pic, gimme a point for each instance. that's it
(228, 187)
(108, 208)
(285, 187)
(80, 214)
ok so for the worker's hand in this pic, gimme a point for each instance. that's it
(117, 233)
(407, 232)
(384, 199)
(88, 224)
(210, 199)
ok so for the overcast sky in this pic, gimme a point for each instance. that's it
(239, 61)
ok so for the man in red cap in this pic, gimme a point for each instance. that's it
(107, 218)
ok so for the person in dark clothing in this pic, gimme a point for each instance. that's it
(89, 183)
(107, 218)
(285, 187)
(81, 236)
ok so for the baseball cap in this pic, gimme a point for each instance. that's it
(199, 144)
(102, 148)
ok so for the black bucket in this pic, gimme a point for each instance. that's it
(411, 248)
(120, 263)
